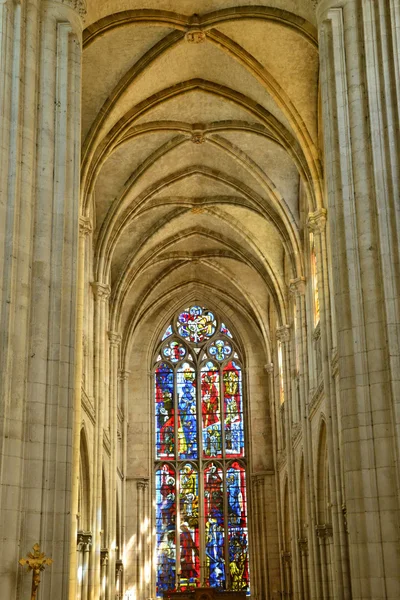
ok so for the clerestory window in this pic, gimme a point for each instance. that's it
(200, 468)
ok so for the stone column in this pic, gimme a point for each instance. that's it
(123, 379)
(40, 54)
(101, 294)
(317, 224)
(84, 542)
(303, 547)
(298, 289)
(115, 341)
(283, 336)
(359, 50)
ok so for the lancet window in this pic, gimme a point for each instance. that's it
(200, 451)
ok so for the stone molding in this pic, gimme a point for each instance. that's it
(296, 433)
(115, 338)
(107, 441)
(316, 221)
(198, 137)
(316, 397)
(303, 546)
(324, 531)
(88, 406)
(317, 332)
(78, 5)
(335, 362)
(83, 541)
(101, 291)
(283, 333)
(142, 484)
(286, 557)
(281, 460)
(104, 557)
(123, 374)
(85, 226)
(195, 36)
(298, 286)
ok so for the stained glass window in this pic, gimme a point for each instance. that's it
(200, 470)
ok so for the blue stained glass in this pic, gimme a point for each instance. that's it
(165, 528)
(174, 351)
(187, 412)
(189, 524)
(210, 408)
(199, 415)
(214, 526)
(167, 333)
(165, 427)
(233, 409)
(220, 350)
(237, 528)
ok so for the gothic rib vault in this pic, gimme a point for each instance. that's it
(200, 164)
(242, 156)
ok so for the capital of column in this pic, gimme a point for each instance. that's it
(317, 220)
(115, 338)
(78, 5)
(104, 557)
(303, 545)
(324, 531)
(101, 291)
(298, 286)
(84, 541)
(85, 226)
(142, 484)
(283, 333)
(123, 374)
(269, 367)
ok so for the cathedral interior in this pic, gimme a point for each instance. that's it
(199, 299)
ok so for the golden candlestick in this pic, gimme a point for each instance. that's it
(36, 562)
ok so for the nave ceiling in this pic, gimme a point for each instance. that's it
(200, 153)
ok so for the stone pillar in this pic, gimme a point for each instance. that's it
(115, 341)
(123, 381)
(101, 293)
(359, 53)
(283, 336)
(40, 56)
(303, 547)
(317, 224)
(142, 487)
(84, 542)
(298, 289)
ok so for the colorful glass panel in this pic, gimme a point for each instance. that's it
(165, 426)
(165, 528)
(233, 410)
(196, 324)
(225, 330)
(220, 350)
(187, 412)
(167, 333)
(214, 526)
(237, 528)
(190, 410)
(174, 351)
(210, 409)
(189, 527)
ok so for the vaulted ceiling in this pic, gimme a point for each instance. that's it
(201, 151)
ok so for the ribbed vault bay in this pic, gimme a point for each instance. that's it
(200, 166)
